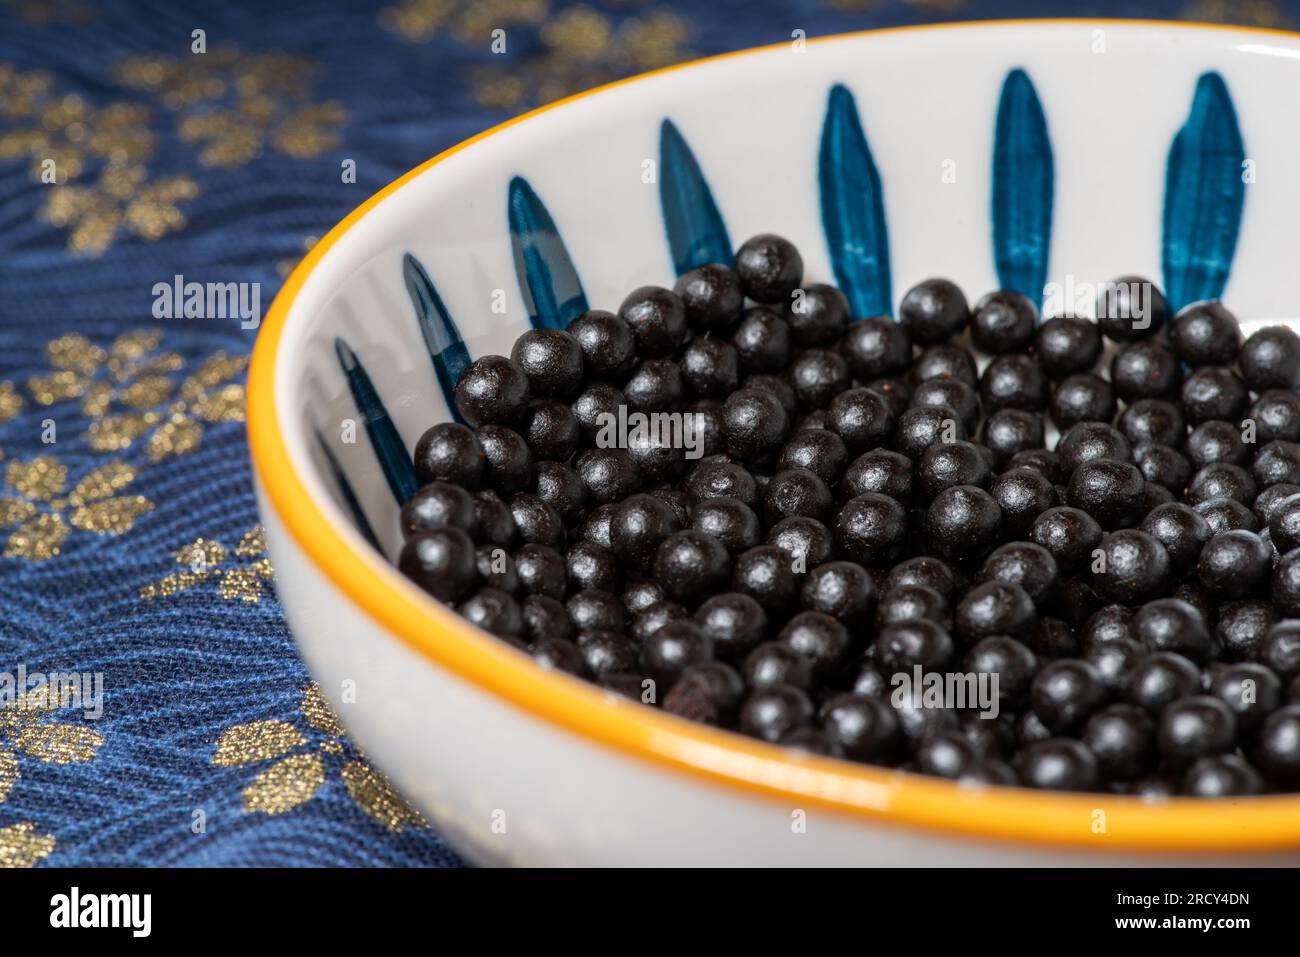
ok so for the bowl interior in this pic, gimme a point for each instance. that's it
(1111, 149)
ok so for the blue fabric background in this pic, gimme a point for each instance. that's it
(182, 669)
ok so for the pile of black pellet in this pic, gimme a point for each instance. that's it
(736, 501)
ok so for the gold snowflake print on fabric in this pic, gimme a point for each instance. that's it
(1253, 13)
(471, 21)
(235, 106)
(94, 160)
(581, 47)
(43, 13)
(11, 403)
(122, 200)
(241, 576)
(40, 123)
(28, 731)
(301, 755)
(133, 390)
(21, 845)
(43, 512)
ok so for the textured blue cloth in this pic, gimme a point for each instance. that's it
(128, 545)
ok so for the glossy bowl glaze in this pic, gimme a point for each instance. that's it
(1041, 156)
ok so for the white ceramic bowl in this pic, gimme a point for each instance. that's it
(516, 764)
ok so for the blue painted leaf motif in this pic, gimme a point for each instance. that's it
(696, 232)
(1204, 194)
(1022, 189)
(349, 495)
(389, 447)
(552, 291)
(441, 337)
(853, 209)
